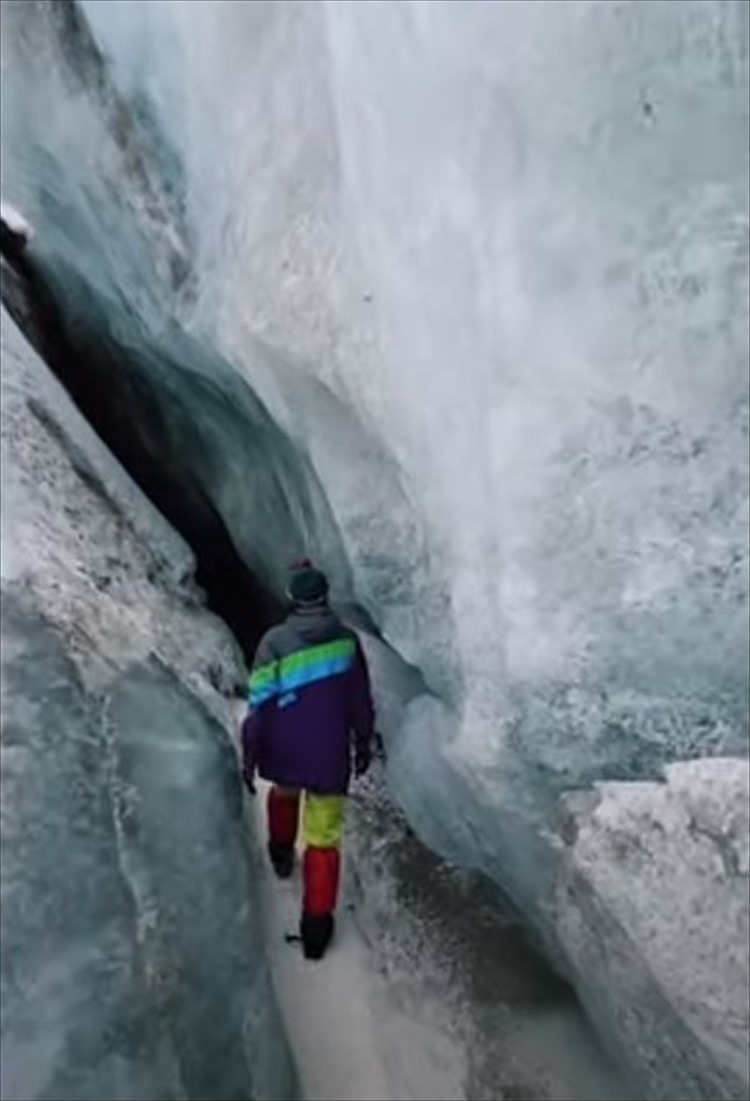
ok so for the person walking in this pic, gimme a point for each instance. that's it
(310, 721)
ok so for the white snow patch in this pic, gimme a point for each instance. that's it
(15, 221)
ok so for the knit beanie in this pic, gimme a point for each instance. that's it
(308, 586)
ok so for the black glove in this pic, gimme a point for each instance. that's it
(362, 760)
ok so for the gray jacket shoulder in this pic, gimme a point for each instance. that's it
(271, 646)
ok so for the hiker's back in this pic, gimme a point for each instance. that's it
(310, 687)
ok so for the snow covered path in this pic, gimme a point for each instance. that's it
(385, 1015)
(400, 1009)
(331, 1029)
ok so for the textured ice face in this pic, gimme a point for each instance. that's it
(486, 270)
(484, 266)
(653, 906)
(132, 965)
(501, 253)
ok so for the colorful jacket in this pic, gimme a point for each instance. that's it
(309, 704)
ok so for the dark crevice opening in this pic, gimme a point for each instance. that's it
(113, 394)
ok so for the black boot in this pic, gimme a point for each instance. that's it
(316, 933)
(282, 858)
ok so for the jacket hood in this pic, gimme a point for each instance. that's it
(315, 626)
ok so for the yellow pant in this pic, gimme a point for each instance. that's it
(322, 818)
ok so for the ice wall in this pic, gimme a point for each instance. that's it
(483, 268)
(654, 910)
(132, 966)
(500, 250)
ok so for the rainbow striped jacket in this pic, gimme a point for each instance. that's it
(309, 704)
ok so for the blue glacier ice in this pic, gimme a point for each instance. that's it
(454, 296)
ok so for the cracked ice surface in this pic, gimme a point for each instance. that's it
(654, 876)
(132, 966)
(488, 271)
(485, 268)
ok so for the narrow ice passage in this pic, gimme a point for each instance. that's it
(452, 298)
(382, 1016)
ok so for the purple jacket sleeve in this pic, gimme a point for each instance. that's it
(363, 711)
(260, 681)
(251, 733)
